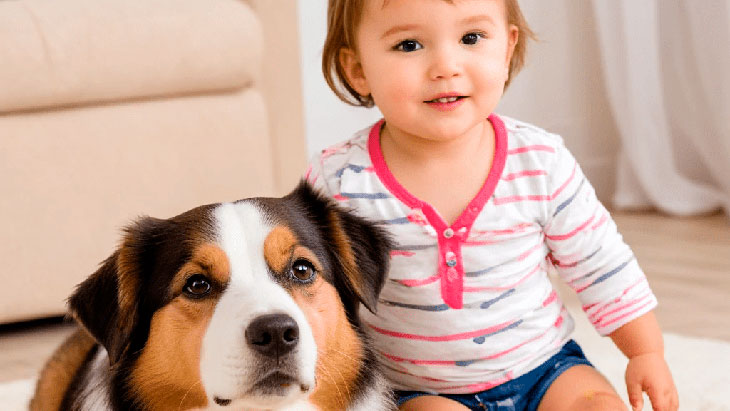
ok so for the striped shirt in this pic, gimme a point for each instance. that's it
(469, 306)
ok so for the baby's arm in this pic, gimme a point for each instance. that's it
(641, 341)
(592, 258)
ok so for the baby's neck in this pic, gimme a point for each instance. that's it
(404, 147)
(445, 174)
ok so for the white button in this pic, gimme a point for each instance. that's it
(448, 233)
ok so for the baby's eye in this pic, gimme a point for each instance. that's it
(472, 38)
(408, 46)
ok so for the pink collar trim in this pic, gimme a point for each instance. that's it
(464, 222)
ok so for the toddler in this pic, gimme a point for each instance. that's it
(480, 206)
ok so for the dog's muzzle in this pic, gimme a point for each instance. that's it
(272, 335)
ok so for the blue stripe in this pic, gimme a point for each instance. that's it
(402, 220)
(593, 254)
(414, 247)
(609, 274)
(484, 271)
(570, 200)
(480, 340)
(433, 308)
(374, 196)
(491, 302)
(352, 167)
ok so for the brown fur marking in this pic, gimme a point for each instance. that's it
(128, 272)
(339, 350)
(168, 369)
(344, 249)
(278, 247)
(60, 370)
(209, 260)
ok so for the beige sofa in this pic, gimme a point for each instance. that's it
(111, 109)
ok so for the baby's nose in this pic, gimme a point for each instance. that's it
(444, 65)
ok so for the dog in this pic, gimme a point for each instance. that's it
(231, 306)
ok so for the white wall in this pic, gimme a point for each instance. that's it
(560, 89)
(327, 119)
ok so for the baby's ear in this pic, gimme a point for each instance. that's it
(352, 67)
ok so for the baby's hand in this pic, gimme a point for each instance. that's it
(650, 373)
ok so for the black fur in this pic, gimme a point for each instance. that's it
(156, 249)
(153, 250)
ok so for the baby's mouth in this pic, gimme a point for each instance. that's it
(445, 99)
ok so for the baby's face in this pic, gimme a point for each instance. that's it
(434, 68)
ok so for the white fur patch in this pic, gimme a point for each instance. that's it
(228, 366)
(95, 393)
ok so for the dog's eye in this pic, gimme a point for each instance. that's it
(197, 286)
(303, 271)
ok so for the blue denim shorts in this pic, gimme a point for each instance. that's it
(522, 393)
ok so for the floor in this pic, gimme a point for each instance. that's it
(687, 261)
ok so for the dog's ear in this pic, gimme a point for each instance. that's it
(361, 249)
(107, 302)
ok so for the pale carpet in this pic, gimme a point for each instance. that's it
(701, 369)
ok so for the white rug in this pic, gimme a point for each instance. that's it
(701, 370)
(700, 367)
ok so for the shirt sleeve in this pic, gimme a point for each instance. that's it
(323, 176)
(589, 253)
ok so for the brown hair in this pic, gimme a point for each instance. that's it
(343, 19)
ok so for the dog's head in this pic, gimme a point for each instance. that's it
(238, 303)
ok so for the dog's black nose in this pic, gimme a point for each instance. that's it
(273, 335)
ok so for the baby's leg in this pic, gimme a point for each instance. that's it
(581, 388)
(432, 403)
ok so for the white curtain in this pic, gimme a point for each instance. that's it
(666, 64)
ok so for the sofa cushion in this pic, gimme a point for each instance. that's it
(74, 52)
(70, 179)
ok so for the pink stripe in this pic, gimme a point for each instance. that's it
(486, 237)
(308, 173)
(503, 288)
(519, 228)
(527, 253)
(516, 347)
(441, 338)
(475, 243)
(580, 228)
(418, 362)
(565, 184)
(551, 298)
(402, 253)
(600, 222)
(465, 388)
(416, 283)
(422, 377)
(513, 199)
(586, 308)
(525, 149)
(606, 324)
(479, 387)
(339, 197)
(526, 173)
(638, 299)
(417, 219)
(329, 151)
(557, 324)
